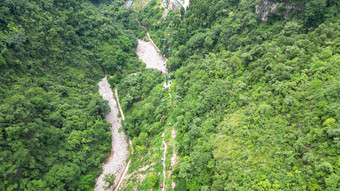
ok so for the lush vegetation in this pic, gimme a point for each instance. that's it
(142, 97)
(256, 104)
(53, 54)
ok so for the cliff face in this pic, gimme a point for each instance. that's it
(184, 3)
(264, 7)
(175, 5)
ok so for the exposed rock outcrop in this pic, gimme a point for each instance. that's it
(184, 3)
(264, 7)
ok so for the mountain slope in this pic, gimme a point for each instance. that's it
(256, 103)
(53, 53)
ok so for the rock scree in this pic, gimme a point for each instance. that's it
(149, 55)
(115, 165)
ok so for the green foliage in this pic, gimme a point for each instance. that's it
(255, 104)
(87, 182)
(152, 180)
(109, 180)
(127, 44)
(113, 81)
(53, 135)
(133, 90)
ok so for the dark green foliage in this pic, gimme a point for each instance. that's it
(133, 90)
(53, 53)
(113, 81)
(255, 104)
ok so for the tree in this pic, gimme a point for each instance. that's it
(152, 180)
(113, 81)
(16, 39)
(126, 42)
(110, 180)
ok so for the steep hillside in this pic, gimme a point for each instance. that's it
(53, 53)
(255, 103)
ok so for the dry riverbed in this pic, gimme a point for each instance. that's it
(149, 55)
(115, 164)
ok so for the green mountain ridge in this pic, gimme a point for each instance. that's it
(53, 54)
(255, 104)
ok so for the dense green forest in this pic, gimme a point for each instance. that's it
(256, 103)
(53, 53)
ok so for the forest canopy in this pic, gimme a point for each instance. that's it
(53, 53)
(255, 103)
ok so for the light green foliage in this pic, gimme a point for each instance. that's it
(329, 121)
(255, 104)
(127, 44)
(152, 180)
(109, 180)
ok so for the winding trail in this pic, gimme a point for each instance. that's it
(151, 41)
(121, 178)
(139, 170)
(118, 104)
(115, 164)
(149, 53)
(165, 147)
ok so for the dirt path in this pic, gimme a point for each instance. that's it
(122, 177)
(148, 52)
(144, 168)
(117, 162)
(128, 164)
(148, 35)
(118, 104)
(164, 156)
